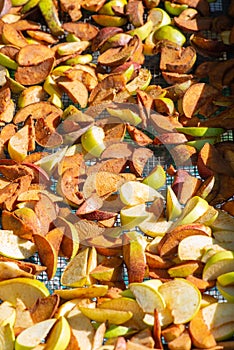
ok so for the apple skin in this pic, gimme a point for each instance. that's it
(92, 140)
(171, 33)
(224, 262)
(226, 279)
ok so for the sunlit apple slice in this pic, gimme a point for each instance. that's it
(159, 17)
(216, 316)
(18, 144)
(147, 295)
(133, 216)
(27, 289)
(59, 336)
(174, 8)
(173, 206)
(224, 221)
(192, 247)
(7, 314)
(104, 315)
(49, 162)
(165, 318)
(7, 337)
(182, 297)
(126, 115)
(153, 227)
(133, 193)
(32, 336)
(226, 279)
(93, 291)
(143, 31)
(193, 210)
(218, 264)
(200, 131)
(12, 246)
(171, 33)
(156, 178)
(226, 291)
(92, 140)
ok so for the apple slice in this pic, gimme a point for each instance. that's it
(177, 293)
(226, 279)
(201, 131)
(193, 210)
(224, 221)
(12, 246)
(59, 336)
(226, 291)
(156, 178)
(93, 291)
(7, 337)
(32, 336)
(148, 296)
(218, 264)
(104, 315)
(153, 227)
(192, 247)
(133, 216)
(219, 318)
(74, 274)
(93, 140)
(173, 206)
(7, 314)
(133, 193)
(28, 290)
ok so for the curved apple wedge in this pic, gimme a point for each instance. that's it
(177, 293)
(32, 336)
(7, 337)
(193, 210)
(218, 264)
(12, 246)
(27, 289)
(156, 178)
(93, 140)
(226, 279)
(133, 193)
(133, 216)
(226, 291)
(59, 336)
(173, 206)
(103, 315)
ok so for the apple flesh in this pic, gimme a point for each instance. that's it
(218, 264)
(93, 141)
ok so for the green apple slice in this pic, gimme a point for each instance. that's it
(201, 131)
(143, 31)
(171, 33)
(147, 295)
(198, 144)
(134, 192)
(156, 178)
(32, 336)
(226, 279)
(174, 9)
(49, 162)
(93, 140)
(182, 297)
(173, 206)
(226, 291)
(59, 336)
(28, 290)
(192, 247)
(126, 115)
(164, 316)
(159, 17)
(12, 246)
(193, 210)
(106, 9)
(103, 315)
(7, 62)
(133, 216)
(218, 264)
(117, 331)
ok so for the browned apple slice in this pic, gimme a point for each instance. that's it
(85, 77)
(193, 25)
(135, 11)
(185, 185)
(169, 242)
(45, 135)
(13, 36)
(44, 308)
(139, 159)
(68, 185)
(7, 105)
(207, 47)
(83, 30)
(201, 5)
(216, 74)
(5, 7)
(76, 91)
(199, 332)
(32, 75)
(109, 269)
(73, 8)
(155, 261)
(138, 136)
(184, 61)
(33, 54)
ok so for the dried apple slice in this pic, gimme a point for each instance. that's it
(13, 36)
(68, 185)
(50, 13)
(45, 136)
(84, 31)
(193, 25)
(34, 54)
(36, 74)
(76, 91)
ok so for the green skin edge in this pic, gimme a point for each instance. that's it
(49, 12)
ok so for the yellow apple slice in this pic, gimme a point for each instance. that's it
(104, 315)
(134, 192)
(94, 291)
(159, 17)
(218, 264)
(173, 206)
(7, 337)
(192, 247)
(74, 274)
(59, 336)
(7, 314)
(126, 115)
(133, 216)
(182, 297)
(148, 296)
(32, 336)
(93, 140)
(156, 178)
(49, 162)
(18, 144)
(171, 33)
(28, 290)
(193, 210)
(226, 279)
(143, 31)
(12, 246)
(153, 227)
